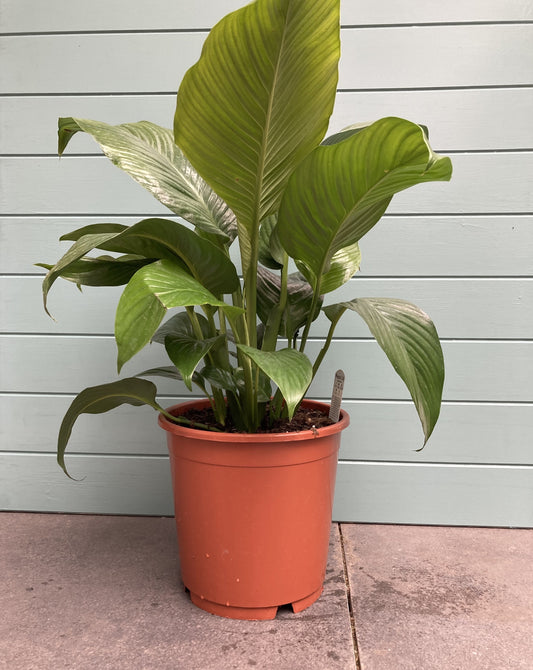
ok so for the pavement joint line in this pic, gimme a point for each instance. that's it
(349, 600)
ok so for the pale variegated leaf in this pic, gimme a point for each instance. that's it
(148, 154)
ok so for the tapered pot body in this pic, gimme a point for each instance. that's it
(253, 514)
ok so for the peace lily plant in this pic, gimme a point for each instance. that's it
(247, 163)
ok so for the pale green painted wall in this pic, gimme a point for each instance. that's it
(463, 251)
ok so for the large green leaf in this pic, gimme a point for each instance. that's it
(145, 300)
(99, 399)
(148, 154)
(153, 239)
(408, 337)
(257, 102)
(290, 370)
(339, 192)
(162, 238)
(103, 270)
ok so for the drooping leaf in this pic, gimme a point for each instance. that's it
(162, 238)
(299, 300)
(154, 239)
(409, 338)
(103, 270)
(290, 370)
(99, 399)
(148, 154)
(339, 192)
(81, 247)
(259, 98)
(145, 300)
(93, 229)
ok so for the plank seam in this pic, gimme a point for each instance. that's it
(349, 26)
(114, 94)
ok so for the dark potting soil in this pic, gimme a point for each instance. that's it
(304, 418)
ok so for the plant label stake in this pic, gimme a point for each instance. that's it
(336, 396)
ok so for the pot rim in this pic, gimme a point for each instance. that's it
(268, 438)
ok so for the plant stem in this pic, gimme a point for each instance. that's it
(325, 348)
(219, 402)
(311, 315)
(272, 328)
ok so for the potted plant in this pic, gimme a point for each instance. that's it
(247, 163)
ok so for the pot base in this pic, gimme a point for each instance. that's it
(251, 613)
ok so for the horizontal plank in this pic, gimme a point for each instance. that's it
(76, 15)
(443, 495)
(460, 120)
(461, 55)
(379, 431)
(365, 492)
(488, 371)
(431, 246)
(481, 183)
(460, 309)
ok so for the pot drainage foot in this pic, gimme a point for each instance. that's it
(231, 612)
(300, 605)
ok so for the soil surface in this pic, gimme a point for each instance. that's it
(304, 418)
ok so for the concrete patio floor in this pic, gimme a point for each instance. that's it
(84, 592)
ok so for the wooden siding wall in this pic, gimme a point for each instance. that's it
(462, 251)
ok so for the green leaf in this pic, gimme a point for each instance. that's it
(342, 267)
(176, 325)
(93, 229)
(290, 370)
(168, 372)
(409, 338)
(257, 102)
(145, 300)
(148, 154)
(99, 399)
(162, 238)
(153, 239)
(81, 247)
(103, 270)
(339, 192)
(271, 253)
(185, 349)
(344, 133)
(299, 300)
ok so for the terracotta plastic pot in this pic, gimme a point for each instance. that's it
(253, 514)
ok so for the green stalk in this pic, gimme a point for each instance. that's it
(219, 402)
(312, 311)
(250, 303)
(272, 328)
(325, 348)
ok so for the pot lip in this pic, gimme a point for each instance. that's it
(212, 436)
